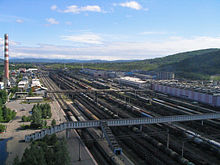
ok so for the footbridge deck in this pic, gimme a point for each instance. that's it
(118, 122)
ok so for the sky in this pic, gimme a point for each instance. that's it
(108, 29)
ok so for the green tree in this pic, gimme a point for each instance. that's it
(33, 156)
(49, 114)
(61, 153)
(44, 113)
(44, 124)
(16, 160)
(50, 150)
(53, 122)
(1, 114)
(30, 93)
(36, 118)
(2, 128)
(7, 114)
(14, 89)
(3, 96)
(26, 118)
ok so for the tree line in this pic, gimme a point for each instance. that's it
(48, 151)
(39, 112)
(6, 114)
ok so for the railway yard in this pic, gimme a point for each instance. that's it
(184, 143)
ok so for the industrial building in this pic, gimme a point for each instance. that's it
(204, 95)
(23, 84)
(35, 83)
(132, 81)
(165, 76)
(99, 73)
(32, 70)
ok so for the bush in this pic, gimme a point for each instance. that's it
(2, 128)
(53, 123)
(25, 126)
(26, 118)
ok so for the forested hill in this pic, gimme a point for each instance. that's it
(152, 64)
(199, 64)
(180, 57)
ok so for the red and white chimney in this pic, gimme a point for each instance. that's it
(6, 75)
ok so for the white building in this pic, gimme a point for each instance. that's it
(32, 70)
(23, 85)
(132, 81)
(1, 85)
(35, 83)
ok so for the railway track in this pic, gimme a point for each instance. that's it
(98, 154)
(104, 116)
(188, 147)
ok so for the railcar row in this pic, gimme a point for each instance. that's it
(205, 142)
(109, 157)
(124, 103)
(169, 152)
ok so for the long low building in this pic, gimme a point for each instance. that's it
(212, 99)
(34, 99)
(132, 81)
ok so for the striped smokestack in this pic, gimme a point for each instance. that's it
(6, 76)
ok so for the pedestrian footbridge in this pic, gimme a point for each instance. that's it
(118, 122)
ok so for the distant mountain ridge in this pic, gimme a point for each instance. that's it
(199, 64)
(47, 60)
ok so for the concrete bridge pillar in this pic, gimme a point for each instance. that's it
(141, 128)
(67, 133)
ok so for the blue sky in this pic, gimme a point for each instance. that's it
(110, 29)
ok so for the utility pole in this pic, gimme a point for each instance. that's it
(79, 150)
(168, 138)
(182, 149)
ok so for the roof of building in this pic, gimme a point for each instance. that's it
(34, 98)
(32, 69)
(35, 82)
(132, 79)
(23, 82)
(194, 86)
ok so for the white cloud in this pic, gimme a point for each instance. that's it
(115, 50)
(68, 23)
(89, 38)
(91, 8)
(19, 20)
(76, 9)
(132, 4)
(153, 32)
(52, 21)
(53, 7)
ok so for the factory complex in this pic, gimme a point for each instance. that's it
(24, 79)
(207, 94)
